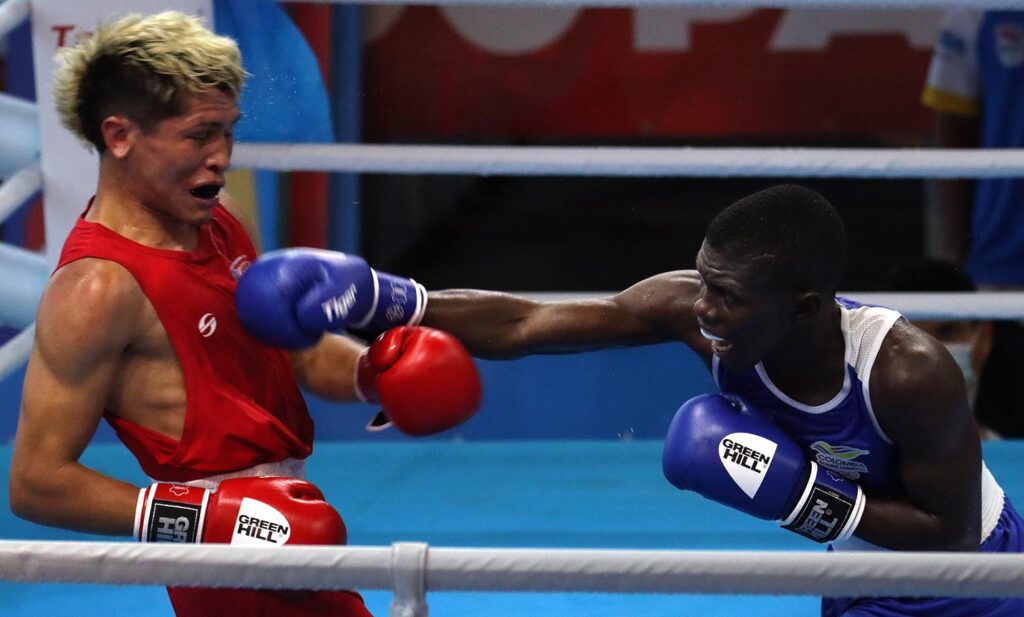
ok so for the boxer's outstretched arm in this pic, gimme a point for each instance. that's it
(499, 325)
(85, 321)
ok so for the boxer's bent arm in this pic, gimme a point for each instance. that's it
(920, 402)
(499, 325)
(84, 322)
(328, 368)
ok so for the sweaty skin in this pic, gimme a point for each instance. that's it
(722, 308)
(99, 343)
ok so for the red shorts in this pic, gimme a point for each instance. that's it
(202, 602)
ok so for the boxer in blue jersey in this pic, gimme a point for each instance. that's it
(846, 423)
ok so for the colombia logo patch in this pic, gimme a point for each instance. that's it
(840, 459)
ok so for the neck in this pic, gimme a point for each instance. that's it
(119, 208)
(810, 365)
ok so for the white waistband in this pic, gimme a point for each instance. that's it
(289, 468)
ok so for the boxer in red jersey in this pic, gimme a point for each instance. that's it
(138, 325)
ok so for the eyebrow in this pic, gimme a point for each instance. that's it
(725, 283)
(217, 123)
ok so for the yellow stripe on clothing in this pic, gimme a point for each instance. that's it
(950, 103)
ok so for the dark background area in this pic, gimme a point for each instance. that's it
(600, 234)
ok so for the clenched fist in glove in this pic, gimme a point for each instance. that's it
(724, 448)
(424, 379)
(247, 511)
(289, 298)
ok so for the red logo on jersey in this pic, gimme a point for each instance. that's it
(239, 266)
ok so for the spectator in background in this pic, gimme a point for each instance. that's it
(976, 87)
(969, 342)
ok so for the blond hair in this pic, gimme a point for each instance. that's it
(143, 68)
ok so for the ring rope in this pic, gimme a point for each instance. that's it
(22, 185)
(912, 305)
(538, 570)
(634, 161)
(12, 13)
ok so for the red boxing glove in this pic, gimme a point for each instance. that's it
(242, 511)
(424, 379)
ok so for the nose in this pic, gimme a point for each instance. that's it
(219, 157)
(703, 308)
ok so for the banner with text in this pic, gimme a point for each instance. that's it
(480, 73)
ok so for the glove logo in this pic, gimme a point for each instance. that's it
(169, 521)
(259, 524)
(395, 312)
(339, 307)
(746, 458)
(178, 490)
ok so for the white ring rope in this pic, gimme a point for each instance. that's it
(539, 570)
(19, 187)
(634, 161)
(913, 305)
(12, 13)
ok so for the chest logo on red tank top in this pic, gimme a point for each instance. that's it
(207, 325)
(239, 266)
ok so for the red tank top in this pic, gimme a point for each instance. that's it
(243, 405)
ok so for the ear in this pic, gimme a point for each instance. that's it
(119, 134)
(807, 305)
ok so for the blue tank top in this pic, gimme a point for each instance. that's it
(843, 434)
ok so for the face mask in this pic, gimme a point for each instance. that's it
(961, 353)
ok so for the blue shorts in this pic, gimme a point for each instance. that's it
(1007, 537)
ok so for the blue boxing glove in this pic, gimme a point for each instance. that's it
(289, 298)
(726, 450)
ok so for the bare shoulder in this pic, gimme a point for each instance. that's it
(917, 389)
(89, 305)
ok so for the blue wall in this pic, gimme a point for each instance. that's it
(621, 394)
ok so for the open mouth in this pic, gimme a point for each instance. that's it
(205, 191)
(708, 335)
(719, 345)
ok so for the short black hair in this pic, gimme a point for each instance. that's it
(926, 274)
(787, 232)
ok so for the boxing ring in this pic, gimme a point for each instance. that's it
(584, 527)
(471, 526)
